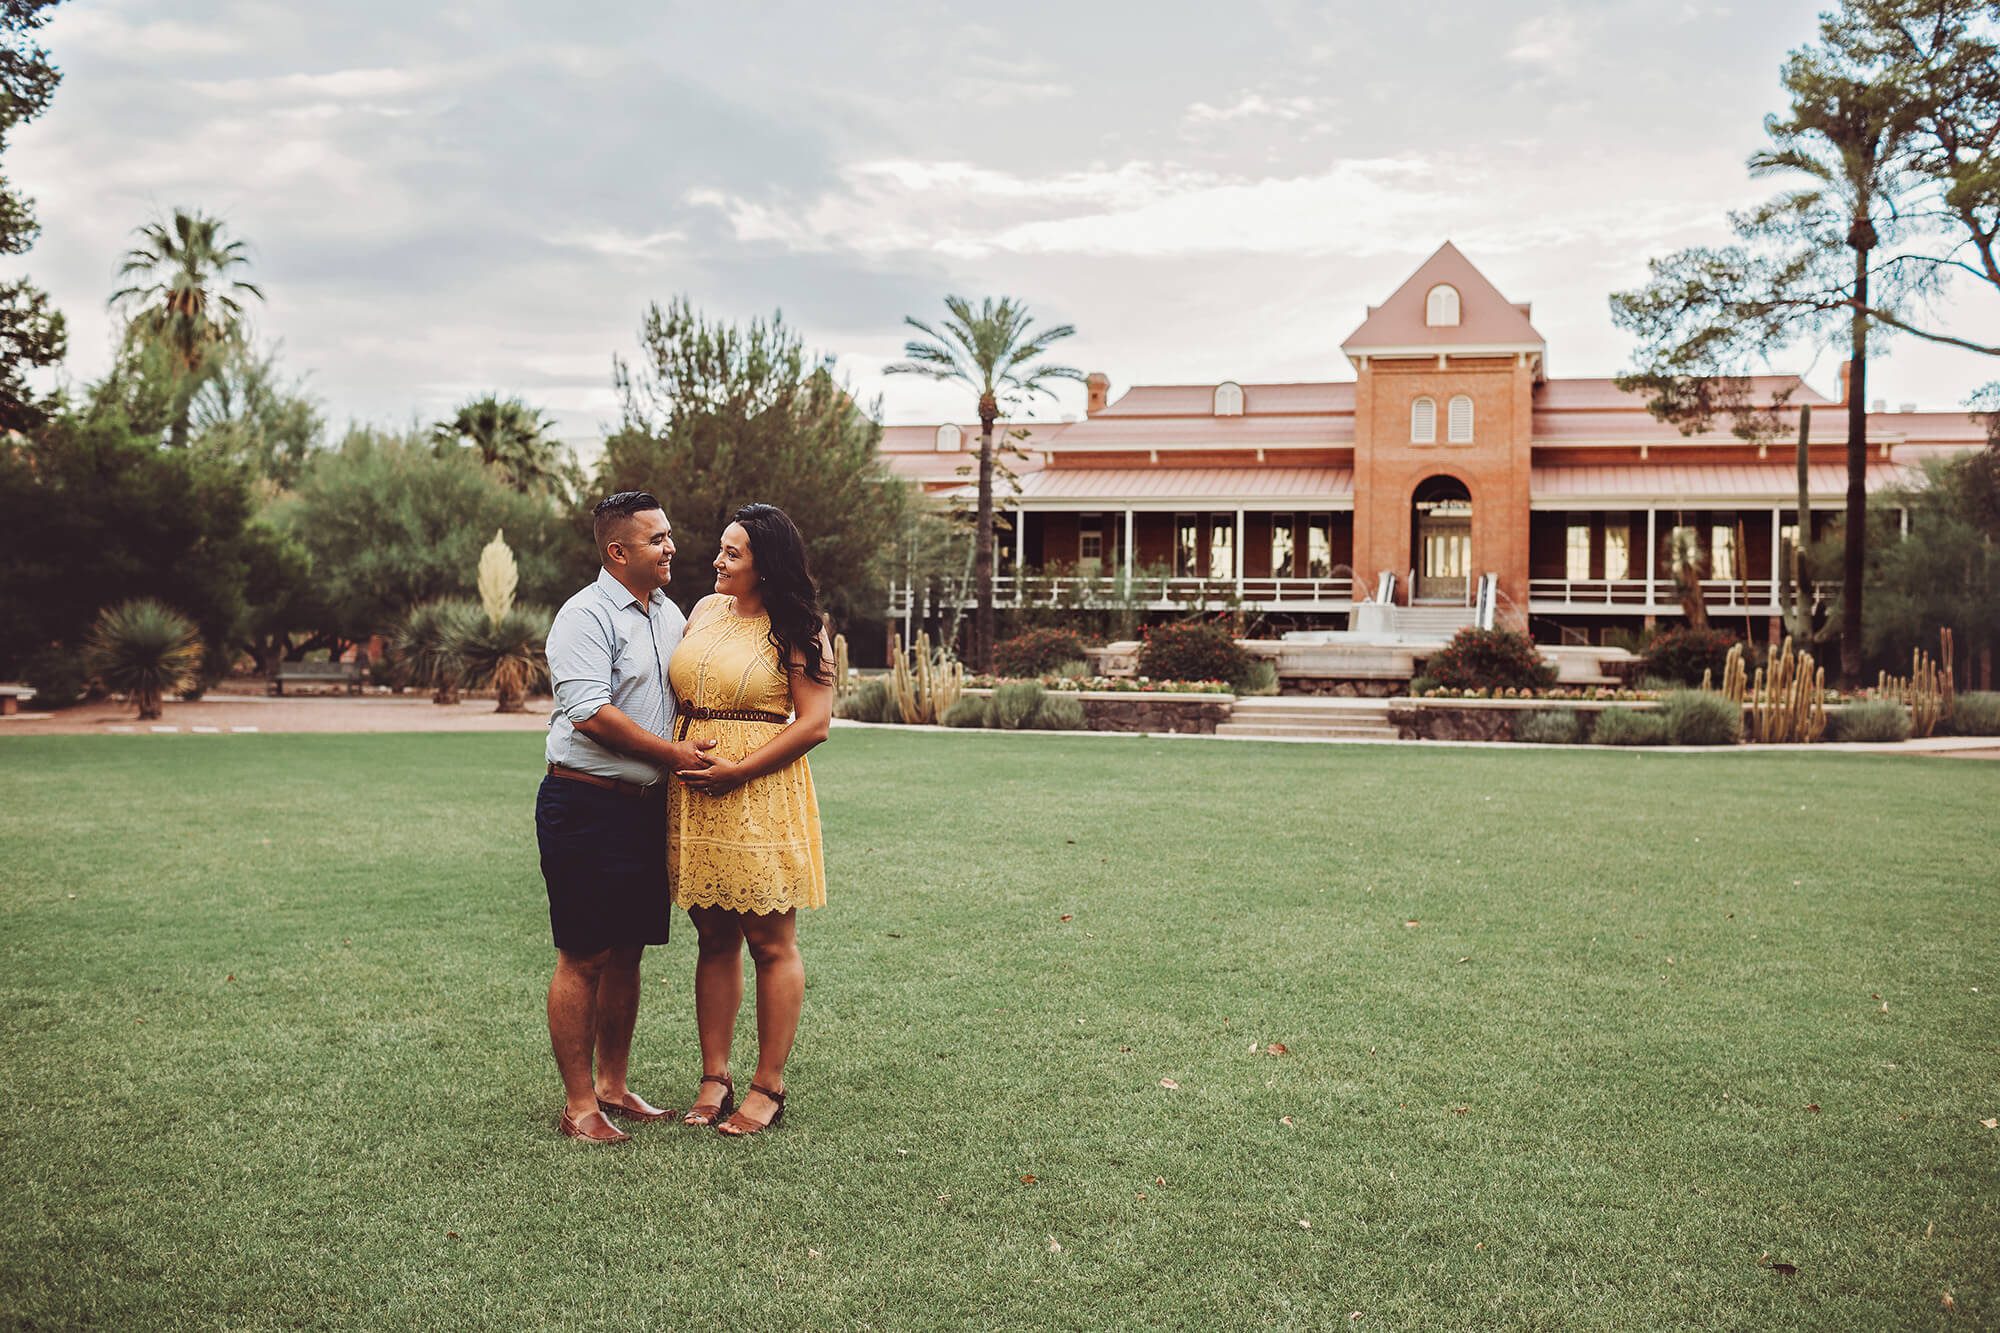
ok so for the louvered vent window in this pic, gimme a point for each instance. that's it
(950, 439)
(1460, 425)
(1424, 421)
(1228, 399)
(1441, 307)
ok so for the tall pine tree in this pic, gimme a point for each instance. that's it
(31, 331)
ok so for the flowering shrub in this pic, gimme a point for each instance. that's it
(1111, 684)
(1193, 650)
(1490, 659)
(1686, 652)
(1037, 652)
(1580, 693)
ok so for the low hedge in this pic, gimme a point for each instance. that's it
(1489, 659)
(1626, 726)
(1037, 652)
(1557, 726)
(1874, 721)
(1701, 717)
(1977, 713)
(1193, 650)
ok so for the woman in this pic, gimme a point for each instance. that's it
(754, 674)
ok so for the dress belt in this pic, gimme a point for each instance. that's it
(689, 713)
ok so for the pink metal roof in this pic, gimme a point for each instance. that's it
(1588, 392)
(1647, 482)
(1485, 317)
(1227, 485)
(1175, 400)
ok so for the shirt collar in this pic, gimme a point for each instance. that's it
(620, 595)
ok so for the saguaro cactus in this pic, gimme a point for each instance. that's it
(925, 685)
(1788, 699)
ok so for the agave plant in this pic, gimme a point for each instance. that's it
(508, 654)
(145, 649)
(427, 645)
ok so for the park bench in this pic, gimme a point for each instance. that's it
(318, 673)
(13, 696)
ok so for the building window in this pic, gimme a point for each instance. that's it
(1221, 547)
(1617, 550)
(1788, 541)
(950, 439)
(1187, 546)
(1090, 543)
(1576, 564)
(1283, 545)
(1229, 399)
(1319, 546)
(1460, 420)
(1424, 421)
(1441, 307)
(1722, 551)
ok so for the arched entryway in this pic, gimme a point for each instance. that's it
(1441, 541)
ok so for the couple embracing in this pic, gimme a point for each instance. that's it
(676, 767)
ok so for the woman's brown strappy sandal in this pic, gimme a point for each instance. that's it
(740, 1126)
(721, 1112)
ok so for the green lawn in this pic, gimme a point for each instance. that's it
(1574, 1039)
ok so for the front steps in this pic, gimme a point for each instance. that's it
(1303, 718)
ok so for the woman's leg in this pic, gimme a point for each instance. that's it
(781, 989)
(718, 995)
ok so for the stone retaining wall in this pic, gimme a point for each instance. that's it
(1485, 719)
(1129, 710)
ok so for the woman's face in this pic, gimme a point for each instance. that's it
(735, 571)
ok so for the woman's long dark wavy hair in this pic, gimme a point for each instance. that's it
(778, 553)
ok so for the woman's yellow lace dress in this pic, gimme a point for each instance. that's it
(757, 848)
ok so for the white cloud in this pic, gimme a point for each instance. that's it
(339, 85)
(105, 33)
(1249, 104)
(1549, 41)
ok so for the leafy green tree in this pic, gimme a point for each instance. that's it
(248, 412)
(515, 441)
(993, 351)
(31, 331)
(717, 415)
(184, 297)
(92, 513)
(1946, 571)
(390, 523)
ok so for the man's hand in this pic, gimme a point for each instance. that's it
(693, 758)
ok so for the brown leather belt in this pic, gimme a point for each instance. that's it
(618, 785)
(689, 713)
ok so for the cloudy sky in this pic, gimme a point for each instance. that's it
(450, 198)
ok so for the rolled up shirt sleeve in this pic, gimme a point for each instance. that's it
(580, 653)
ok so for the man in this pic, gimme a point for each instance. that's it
(600, 816)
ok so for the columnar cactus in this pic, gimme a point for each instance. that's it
(925, 685)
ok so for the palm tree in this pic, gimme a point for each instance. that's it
(183, 296)
(145, 649)
(1843, 135)
(992, 351)
(512, 438)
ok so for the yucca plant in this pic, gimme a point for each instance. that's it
(144, 649)
(427, 645)
(507, 655)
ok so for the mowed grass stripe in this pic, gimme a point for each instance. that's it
(1574, 1094)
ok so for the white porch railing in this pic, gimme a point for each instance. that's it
(1153, 592)
(1639, 594)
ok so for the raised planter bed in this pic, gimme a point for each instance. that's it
(1150, 711)
(1485, 719)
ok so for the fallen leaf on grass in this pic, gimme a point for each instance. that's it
(1278, 1048)
(1885, 1007)
(1930, 1229)
(1991, 1123)
(1353, 1315)
(1306, 1223)
(1285, 1120)
(814, 1254)
(1946, 1302)
(1067, 916)
(1159, 1180)
(451, 1235)
(230, 977)
(1412, 924)
(1027, 1180)
(1466, 959)
(1460, 1110)
(1814, 1108)
(1480, 1246)
(1055, 1246)
(1169, 1085)
(1125, 1048)
(1140, 1195)
(945, 1197)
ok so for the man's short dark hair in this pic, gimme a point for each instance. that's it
(612, 511)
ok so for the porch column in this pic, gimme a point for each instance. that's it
(1652, 553)
(1125, 569)
(1777, 553)
(1238, 544)
(1020, 548)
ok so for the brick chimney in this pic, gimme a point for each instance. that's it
(1846, 376)
(1099, 386)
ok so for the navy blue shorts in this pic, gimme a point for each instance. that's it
(604, 859)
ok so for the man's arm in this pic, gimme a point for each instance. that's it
(614, 731)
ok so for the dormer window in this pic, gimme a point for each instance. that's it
(1459, 420)
(1424, 421)
(1229, 399)
(1441, 307)
(950, 439)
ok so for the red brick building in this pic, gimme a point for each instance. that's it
(1451, 455)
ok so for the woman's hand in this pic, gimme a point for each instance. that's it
(720, 776)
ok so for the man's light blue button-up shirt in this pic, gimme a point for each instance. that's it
(605, 649)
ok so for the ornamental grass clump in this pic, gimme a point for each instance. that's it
(1059, 712)
(1193, 650)
(968, 711)
(1685, 654)
(870, 700)
(1701, 717)
(1556, 726)
(508, 656)
(1873, 722)
(1014, 703)
(1036, 653)
(1628, 726)
(1489, 659)
(144, 649)
(1977, 713)
(426, 645)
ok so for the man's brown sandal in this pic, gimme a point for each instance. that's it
(698, 1116)
(592, 1127)
(634, 1107)
(741, 1126)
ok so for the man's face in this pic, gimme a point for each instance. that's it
(647, 547)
